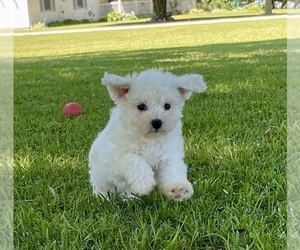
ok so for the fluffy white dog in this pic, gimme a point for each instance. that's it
(142, 144)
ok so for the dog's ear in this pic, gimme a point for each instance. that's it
(187, 84)
(117, 86)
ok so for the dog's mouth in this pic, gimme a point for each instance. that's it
(157, 131)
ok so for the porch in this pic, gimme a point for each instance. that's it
(126, 6)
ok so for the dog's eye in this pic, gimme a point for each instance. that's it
(167, 106)
(141, 107)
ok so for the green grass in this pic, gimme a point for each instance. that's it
(235, 139)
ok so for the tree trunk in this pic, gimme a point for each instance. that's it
(268, 10)
(160, 8)
(283, 4)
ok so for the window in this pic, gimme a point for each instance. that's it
(80, 4)
(47, 5)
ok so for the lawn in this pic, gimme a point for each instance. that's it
(235, 139)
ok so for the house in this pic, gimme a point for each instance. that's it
(14, 14)
(24, 13)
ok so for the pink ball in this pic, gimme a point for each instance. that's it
(72, 109)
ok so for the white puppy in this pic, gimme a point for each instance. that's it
(142, 144)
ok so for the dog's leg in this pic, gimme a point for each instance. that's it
(137, 173)
(172, 181)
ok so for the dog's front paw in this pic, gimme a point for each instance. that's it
(177, 191)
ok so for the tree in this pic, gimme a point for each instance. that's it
(160, 8)
(268, 9)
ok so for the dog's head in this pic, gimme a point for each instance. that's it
(151, 102)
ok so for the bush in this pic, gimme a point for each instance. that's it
(38, 25)
(67, 22)
(54, 24)
(254, 8)
(129, 17)
(210, 6)
(196, 11)
(113, 17)
(70, 22)
(116, 17)
(85, 21)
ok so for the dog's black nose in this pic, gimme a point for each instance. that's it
(156, 123)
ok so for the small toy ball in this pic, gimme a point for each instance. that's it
(72, 109)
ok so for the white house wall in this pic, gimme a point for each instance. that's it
(183, 5)
(64, 9)
(27, 12)
(187, 4)
(95, 9)
(13, 14)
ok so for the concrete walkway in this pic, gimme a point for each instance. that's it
(154, 25)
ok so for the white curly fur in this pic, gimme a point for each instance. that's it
(139, 149)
